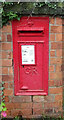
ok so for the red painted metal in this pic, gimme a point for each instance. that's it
(31, 79)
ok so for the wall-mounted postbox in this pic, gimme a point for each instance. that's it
(30, 54)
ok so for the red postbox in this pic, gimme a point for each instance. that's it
(31, 55)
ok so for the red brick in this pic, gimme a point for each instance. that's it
(0, 70)
(56, 61)
(15, 112)
(11, 85)
(9, 38)
(56, 29)
(58, 68)
(49, 98)
(52, 37)
(56, 45)
(57, 90)
(62, 67)
(59, 37)
(10, 70)
(11, 106)
(7, 78)
(58, 83)
(38, 98)
(23, 112)
(0, 46)
(52, 20)
(5, 85)
(21, 99)
(51, 68)
(6, 46)
(3, 37)
(0, 62)
(53, 104)
(38, 111)
(26, 105)
(4, 54)
(26, 112)
(6, 99)
(6, 63)
(6, 29)
(9, 55)
(58, 97)
(0, 78)
(51, 83)
(52, 53)
(38, 105)
(56, 75)
(5, 70)
(0, 55)
(59, 21)
(8, 113)
(8, 92)
(59, 53)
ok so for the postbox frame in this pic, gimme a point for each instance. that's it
(16, 43)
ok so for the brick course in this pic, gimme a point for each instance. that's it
(35, 105)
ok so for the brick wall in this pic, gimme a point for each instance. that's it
(34, 106)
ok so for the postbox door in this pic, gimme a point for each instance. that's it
(31, 65)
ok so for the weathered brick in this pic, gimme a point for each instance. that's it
(56, 29)
(58, 97)
(3, 37)
(26, 105)
(15, 112)
(13, 105)
(56, 61)
(4, 54)
(38, 111)
(4, 70)
(9, 55)
(56, 45)
(58, 21)
(55, 90)
(59, 52)
(49, 98)
(9, 38)
(55, 75)
(6, 29)
(6, 46)
(58, 83)
(59, 68)
(8, 92)
(5, 85)
(21, 99)
(7, 78)
(0, 70)
(6, 99)
(38, 105)
(59, 37)
(52, 53)
(62, 67)
(11, 85)
(10, 70)
(52, 20)
(52, 37)
(38, 98)
(8, 113)
(6, 62)
(51, 83)
(51, 68)
(23, 112)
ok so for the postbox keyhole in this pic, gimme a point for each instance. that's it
(23, 66)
